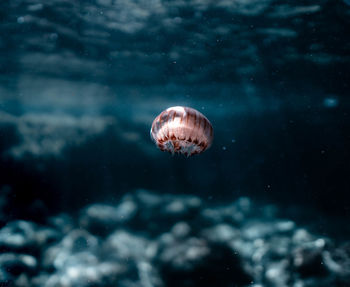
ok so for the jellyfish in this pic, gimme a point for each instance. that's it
(182, 130)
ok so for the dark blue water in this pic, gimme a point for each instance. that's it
(87, 199)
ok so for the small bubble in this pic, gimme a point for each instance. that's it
(223, 148)
(233, 140)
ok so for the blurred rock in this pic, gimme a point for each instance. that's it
(102, 219)
(45, 236)
(82, 272)
(15, 269)
(134, 253)
(126, 246)
(75, 262)
(26, 236)
(158, 212)
(301, 236)
(277, 274)
(61, 222)
(181, 230)
(221, 233)
(157, 240)
(253, 230)
(18, 236)
(16, 264)
(234, 213)
(77, 243)
(308, 259)
(5, 278)
(196, 262)
(337, 262)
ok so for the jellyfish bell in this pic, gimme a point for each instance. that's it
(182, 130)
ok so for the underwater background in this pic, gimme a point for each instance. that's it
(87, 199)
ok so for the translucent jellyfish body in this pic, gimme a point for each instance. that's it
(182, 130)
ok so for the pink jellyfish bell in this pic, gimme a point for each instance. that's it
(182, 130)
